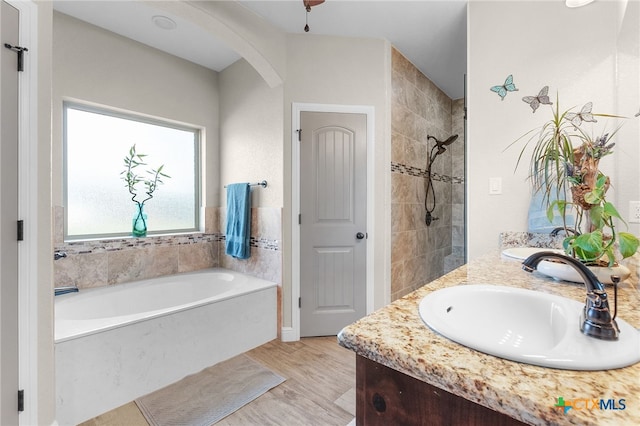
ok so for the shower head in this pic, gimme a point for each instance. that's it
(448, 141)
(440, 145)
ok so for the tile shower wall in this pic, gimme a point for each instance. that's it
(456, 258)
(418, 109)
(114, 261)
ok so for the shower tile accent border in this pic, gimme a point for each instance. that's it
(116, 244)
(418, 172)
(128, 243)
(263, 243)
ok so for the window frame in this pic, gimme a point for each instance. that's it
(198, 132)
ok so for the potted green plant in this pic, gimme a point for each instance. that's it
(131, 162)
(565, 161)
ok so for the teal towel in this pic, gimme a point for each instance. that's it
(238, 220)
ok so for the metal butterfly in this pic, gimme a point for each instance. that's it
(535, 101)
(508, 86)
(584, 115)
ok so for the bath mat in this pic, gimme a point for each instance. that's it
(207, 397)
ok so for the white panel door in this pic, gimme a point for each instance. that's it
(9, 18)
(333, 201)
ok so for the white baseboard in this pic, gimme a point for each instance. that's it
(288, 334)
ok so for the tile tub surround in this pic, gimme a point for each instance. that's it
(396, 337)
(114, 261)
(266, 251)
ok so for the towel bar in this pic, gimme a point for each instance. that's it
(262, 184)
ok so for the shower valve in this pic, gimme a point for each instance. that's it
(429, 218)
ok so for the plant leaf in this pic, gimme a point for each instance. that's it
(628, 244)
(611, 211)
(597, 218)
(594, 196)
(550, 211)
(591, 244)
(611, 256)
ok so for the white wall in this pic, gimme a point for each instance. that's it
(627, 158)
(346, 71)
(95, 65)
(251, 133)
(573, 51)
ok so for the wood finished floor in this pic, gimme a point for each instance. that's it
(319, 389)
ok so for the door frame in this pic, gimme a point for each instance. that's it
(292, 333)
(28, 211)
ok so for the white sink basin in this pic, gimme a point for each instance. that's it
(525, 326)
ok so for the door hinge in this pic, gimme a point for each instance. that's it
(299, 219)
(20, 51)
(299, 302)
(20, 230)
(299, 135)
(21, 400)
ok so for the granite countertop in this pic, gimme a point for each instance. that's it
(396, 337)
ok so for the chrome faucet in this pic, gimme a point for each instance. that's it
(596, 320)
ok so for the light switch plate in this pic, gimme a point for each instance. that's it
(495, 186)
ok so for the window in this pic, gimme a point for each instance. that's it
(97, 201)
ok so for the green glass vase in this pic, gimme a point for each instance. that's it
(139, 223)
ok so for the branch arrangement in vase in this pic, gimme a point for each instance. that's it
(565, 161)
(153, 178)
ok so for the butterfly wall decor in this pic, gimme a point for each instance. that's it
(542, 98)
(584, 115)
(508, 86)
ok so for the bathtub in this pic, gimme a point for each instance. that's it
(116, 343)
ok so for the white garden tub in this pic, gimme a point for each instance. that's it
(116, 343)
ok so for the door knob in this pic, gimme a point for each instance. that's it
(359, 235)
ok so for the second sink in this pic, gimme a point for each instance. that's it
(526, 326)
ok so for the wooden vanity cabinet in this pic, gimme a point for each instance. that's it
(387, 397)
